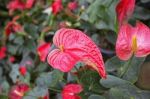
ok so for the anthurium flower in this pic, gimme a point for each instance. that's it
(13, 27)
(23, 70)
(73, 46)
(29, 4)
(43, 51)
(3, 52)
(133, 40)
(72, 5)
(57, 7)
(124, 10)
(19, 5)
(12, 59)
(18, 91)
(70, 91)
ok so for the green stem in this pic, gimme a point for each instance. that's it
(51, 20)
(42, 36)
(56, 90)
(127, 67)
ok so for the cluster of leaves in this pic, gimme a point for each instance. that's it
(96, 17)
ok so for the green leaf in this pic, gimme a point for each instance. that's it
(89, 80)
(49, 79)
(141, 13)
(101, 13)
(18, 40)
(14, 72)
(3, 97)
(133, 70)
(112, 81)
(113, 64)
(95, 97)
(13, 49)
(128, 70)
(32, 30)
(36, 92)
(111, 37)
(144, 1)
(115, 93)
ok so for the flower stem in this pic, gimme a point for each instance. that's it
(127, 66)
(56, 90)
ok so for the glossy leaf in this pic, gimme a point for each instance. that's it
(49, 79)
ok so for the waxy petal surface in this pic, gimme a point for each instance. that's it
(124, 10)
(133, 40)
(70, 91)
(143, 40)
(123, 44)
(79, 47)
(62, 61)
(43, 50)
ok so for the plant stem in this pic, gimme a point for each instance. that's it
(128, 65)
(56, 90)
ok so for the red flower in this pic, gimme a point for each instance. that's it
(12, 27)
(56, 7)
(29, 3)
(12, 59)
(72, 5)
(19, 5)
(22, 70)
(43, 50)
(3, 52)
(70, 91)
(133, 40)
(18, 91)
(124, 10)
(74, 46)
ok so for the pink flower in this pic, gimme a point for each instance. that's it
(133, 40)
(18, 91)
(3, 52)
(13, 27)
(70, 91)
(124, 10)
(22, 70)
(12, 59)
(72, 5)
(56, 7)
(74, 46)
(43, 50)
(19, 5)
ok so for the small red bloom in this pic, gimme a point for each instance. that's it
(72, 5)
(70, 91)
(43, 50)
(56, 7)
(19, 5)
(29, 3)
(12, 59)
(124, 10)
(133, 40)
(22, 70)
(74, 46)
(18, 91)
(3, 52)
(12, 27)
